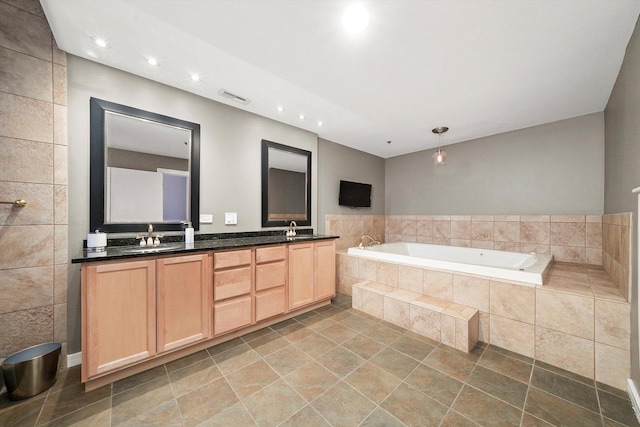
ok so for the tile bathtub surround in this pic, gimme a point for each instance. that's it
(578, 320)
(33, 166)
(600, 240)
(570, 238)
(302, 372)
(617, 235)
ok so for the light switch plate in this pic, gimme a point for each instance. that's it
(206, 218)
(230, 218)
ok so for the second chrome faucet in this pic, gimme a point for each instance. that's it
(372, 241)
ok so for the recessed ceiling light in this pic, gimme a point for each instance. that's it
(152, 61)
(301, 116)
(195, 77)
(280, 108)
(355, 19)
(320, 123)
(100, 42)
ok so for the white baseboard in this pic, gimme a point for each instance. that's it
(634, 396)
(74, 359)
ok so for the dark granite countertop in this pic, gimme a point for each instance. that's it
(126, 248)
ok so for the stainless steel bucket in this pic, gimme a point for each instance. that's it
(32, 370)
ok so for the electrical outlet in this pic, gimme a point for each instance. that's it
(230, 218)
(206, 218)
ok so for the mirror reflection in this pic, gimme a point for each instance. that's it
(144, 169)
(147, 176)
(286, 185)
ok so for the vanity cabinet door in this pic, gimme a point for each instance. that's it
(183, 289)
(118, 315)
(301, 275)
(325, 267)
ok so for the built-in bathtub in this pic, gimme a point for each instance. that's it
(527, 269)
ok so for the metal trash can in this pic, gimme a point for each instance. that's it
(32, 370)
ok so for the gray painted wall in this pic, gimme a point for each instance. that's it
(337, 162)
(230, 155)
(622, 168)
(555, 168)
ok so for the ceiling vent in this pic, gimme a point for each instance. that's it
(233, 96)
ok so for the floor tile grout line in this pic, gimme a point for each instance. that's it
(35, 423)
(526, 397)
(173, 392)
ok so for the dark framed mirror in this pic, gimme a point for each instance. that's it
(286, 185)
(144, 169)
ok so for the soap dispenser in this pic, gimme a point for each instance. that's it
(188, 234)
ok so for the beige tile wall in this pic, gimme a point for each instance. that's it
(570, 238)
(616, 259)
(33, 166)
(351, 228)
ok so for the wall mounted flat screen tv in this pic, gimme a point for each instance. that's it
(354, 194)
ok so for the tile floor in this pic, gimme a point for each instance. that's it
(332, 367)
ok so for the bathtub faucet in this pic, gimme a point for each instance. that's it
(372, 241)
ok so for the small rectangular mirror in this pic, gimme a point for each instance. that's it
(286, 185)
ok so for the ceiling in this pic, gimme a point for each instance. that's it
(480, 67)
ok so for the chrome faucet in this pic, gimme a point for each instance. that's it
(149, 240)
(372, 241)
(292, 229)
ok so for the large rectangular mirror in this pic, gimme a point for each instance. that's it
(286, 185)
(144, 169)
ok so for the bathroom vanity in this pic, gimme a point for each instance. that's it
(142, 308)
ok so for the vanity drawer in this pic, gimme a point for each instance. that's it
(231, 283)
(270, 275)
(232, 314)
(270, 303)
(272, 253)
(231, 259)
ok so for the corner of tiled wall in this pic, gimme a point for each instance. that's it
(33, 166)
(350, 228)
(617, 237)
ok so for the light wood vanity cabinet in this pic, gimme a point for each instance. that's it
(118, 315)
(301, 277)
(232, 288)
(183, 292)
(325, 269)
(134, 310)
(139, 313)
(271, 281)
(312, 274)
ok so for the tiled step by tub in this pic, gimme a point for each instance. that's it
(452, 324)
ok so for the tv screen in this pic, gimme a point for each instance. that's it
(354, 194)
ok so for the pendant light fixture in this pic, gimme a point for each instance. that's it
(440, 156)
